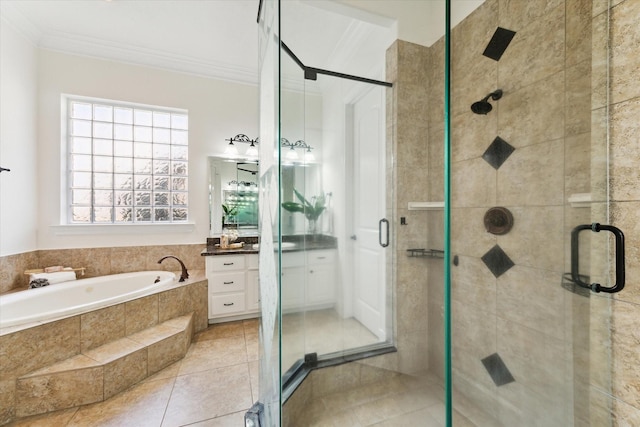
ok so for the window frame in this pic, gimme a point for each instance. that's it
(67, 204)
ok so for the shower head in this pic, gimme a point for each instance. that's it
(483, 106)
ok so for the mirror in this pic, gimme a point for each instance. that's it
(233, 196)
(306, 180)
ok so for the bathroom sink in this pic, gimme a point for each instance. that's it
(285, 245)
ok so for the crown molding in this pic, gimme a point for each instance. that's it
(12, 16)
(98, 48)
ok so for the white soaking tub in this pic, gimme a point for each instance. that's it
(78, 296)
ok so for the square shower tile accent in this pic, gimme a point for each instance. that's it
(498, 43)
(497, 261)
(497, 369)
(498, 152)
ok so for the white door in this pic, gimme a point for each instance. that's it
(368, 210)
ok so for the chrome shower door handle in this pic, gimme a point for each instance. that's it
(386, 222)
(620, 273)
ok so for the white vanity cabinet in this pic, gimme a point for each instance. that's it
(233, 286)
(308, 279)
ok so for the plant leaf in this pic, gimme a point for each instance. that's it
(293, 207)
(302, 199)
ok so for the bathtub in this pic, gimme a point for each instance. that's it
(78, 296)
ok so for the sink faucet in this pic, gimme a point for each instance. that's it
(185, 274)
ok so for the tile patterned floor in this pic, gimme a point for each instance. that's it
(213, 386)
(405, 400)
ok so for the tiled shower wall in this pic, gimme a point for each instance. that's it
(620, 394)
(98, 261)
(550, 340)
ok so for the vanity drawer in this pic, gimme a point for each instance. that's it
(227, 263)
(227, 282)
(321, 256)
(227, 304)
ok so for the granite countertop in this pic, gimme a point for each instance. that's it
(300, 242)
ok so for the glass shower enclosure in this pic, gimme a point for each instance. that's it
(439, 244)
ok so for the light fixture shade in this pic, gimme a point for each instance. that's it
(231, 150)
(252, 151)
(291, 154)
(309, 157)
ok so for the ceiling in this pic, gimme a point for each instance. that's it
(219, 38)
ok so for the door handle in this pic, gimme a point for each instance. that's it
(575, 258)
(386, 243)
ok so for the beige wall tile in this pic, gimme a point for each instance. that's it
(536, 52)
(517, 15)
(102, 326)
(468, 235)
(526, 116)
(46, 393)
(625, 158)
(577, 164)
(173, 303)
(533, 176)
(96, 261)
(578, 98)
(141, 313)
(31, 349)
(166, 352)
(124, 372)
(625, 61)
(7, 400)
(12, 269)
(473, 284)
(412, 63)
(199, 305)
(127, 259)
(625, 216)
(473, 340)
(471, 135)
(625, 414)
(578, 36)
(526, 245)
(413, 184)
(536, 360)
(543, 307)
(473, 184)
(599, 60)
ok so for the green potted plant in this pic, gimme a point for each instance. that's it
(311, 211)
(229, 212)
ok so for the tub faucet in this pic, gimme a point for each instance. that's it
(185, 274)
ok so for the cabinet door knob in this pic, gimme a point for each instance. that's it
(228, 304)
(228, 283)
(311, 271)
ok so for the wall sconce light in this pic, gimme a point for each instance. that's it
(291, 155)
(232, 150)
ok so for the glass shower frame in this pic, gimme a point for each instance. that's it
(598, 306)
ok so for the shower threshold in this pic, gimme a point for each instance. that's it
(302, 368)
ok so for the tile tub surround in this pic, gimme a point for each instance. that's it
(97, 261)
(213, 385)
(27, 350)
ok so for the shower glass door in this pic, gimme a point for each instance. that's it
(528, 150)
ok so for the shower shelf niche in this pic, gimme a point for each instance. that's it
(425, 253)
(425, 206)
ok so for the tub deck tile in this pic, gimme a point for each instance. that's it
(74, 363)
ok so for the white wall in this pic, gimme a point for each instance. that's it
(217, 110)
(18, 188)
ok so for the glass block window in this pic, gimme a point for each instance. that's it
(127, 163)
